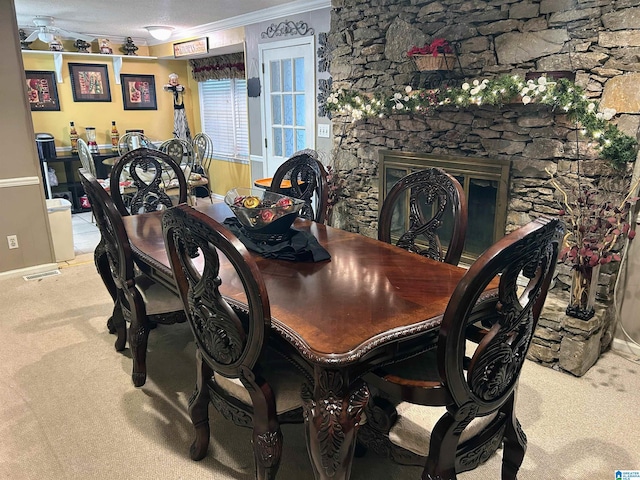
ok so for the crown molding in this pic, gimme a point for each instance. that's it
(293, 8)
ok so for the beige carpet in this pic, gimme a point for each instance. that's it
(68, 409)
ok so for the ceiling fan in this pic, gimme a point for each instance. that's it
(45, 31)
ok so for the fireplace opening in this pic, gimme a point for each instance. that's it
(486, 185)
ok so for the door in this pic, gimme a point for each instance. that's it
(288, 76)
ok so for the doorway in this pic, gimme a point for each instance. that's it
(288, 76)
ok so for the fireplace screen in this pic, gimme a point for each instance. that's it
(485, 183)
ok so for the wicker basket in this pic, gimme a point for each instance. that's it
(429, 62)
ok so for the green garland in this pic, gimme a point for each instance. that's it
(563, 95)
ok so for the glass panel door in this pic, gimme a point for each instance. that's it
(289, 100)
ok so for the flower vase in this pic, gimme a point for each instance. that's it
(584, 283)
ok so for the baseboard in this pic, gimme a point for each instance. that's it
(45, 267)
(624, 346)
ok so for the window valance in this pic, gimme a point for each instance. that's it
(218, 67)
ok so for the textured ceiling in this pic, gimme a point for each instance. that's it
(127, 18)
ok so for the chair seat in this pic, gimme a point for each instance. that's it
(412, 429)
(285, 383)
(157, 298)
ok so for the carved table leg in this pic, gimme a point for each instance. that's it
(332, 416)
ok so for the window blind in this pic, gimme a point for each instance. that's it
(223, 108)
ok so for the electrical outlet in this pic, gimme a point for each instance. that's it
(12, 240)
(323, 131)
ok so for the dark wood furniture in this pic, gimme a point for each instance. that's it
(370, 304)
(485, 182)
(68, 180)
(136, 298)
(151, 172)
(417, 208)
(308, 182)
(231, 338)
(474, 369)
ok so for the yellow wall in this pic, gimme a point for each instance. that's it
(227, 175)
(157, 124)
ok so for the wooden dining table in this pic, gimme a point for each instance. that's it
(371, 303)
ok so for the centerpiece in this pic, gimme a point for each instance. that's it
(263, 215)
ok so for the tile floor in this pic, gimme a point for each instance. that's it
(85, 233)
(85, 239)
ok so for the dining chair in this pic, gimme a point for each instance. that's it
(183, 152)
(308, 182)
(132, 140)
(416, 210)
(450, 407)
(249, 378)
(152, 175)
(203, 149)
(136, 297)
(86, 160)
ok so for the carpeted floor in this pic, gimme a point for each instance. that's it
(68, 409)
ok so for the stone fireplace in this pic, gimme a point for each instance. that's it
(368, 43)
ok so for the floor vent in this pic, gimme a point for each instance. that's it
(38, 276)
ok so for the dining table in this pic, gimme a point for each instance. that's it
(370, 304)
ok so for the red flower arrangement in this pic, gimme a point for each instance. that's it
(437, 46)
(595, 224)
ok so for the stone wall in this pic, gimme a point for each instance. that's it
(598, 40)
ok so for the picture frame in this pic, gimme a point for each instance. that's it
(90, 82)
(138, 92)
(42, 91)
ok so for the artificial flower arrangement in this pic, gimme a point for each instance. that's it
(597, 223)
(436, 47)
(615, 146)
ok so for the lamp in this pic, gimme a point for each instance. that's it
(45, 37)
(159, 32)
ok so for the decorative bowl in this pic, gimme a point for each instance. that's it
(263, 215)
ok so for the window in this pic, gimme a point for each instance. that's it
(223, 108)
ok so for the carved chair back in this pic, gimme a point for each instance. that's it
(428, 194)
(86, 159)
(132, 140)
(230, 341)
(231, 336)
(134, 295)
(308, 182)
(483, 341)
(151, 173)
(203, 148)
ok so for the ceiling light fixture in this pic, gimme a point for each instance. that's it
(159, 32)
(45, 37)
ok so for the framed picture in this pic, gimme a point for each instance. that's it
(42, 91)
(138, 92)
(89, 82)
